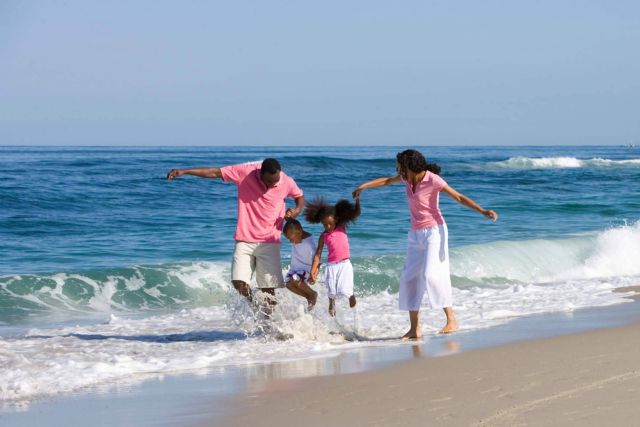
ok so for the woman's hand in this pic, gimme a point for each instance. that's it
(492, 215)
(356, 193)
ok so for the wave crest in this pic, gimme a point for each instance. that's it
(520, 162)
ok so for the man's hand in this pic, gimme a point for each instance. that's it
(174, 173)
(291, 213)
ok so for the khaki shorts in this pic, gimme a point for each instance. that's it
(263, 258)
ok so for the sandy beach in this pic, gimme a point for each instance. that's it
(589, 378)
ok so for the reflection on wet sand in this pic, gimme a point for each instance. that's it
(274, 376)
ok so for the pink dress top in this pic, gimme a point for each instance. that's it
(260, 209)
(337, 244)
(423, 203)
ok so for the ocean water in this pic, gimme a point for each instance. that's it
(108, 272)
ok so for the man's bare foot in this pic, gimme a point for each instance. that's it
(412, 335)
(332, 308)
(312, 301)
(352, 301)
(450, 327)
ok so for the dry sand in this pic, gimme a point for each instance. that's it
(586, 379)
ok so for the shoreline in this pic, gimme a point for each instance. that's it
(588, 378)
(203, 398)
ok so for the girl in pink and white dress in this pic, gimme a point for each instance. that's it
(339, 271)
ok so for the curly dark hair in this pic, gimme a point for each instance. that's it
(414, 161)
(317, 209)
(343, 211)
(291, 224)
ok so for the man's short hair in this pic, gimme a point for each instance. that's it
(270, 166)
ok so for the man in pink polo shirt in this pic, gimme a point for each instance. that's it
(262, 190)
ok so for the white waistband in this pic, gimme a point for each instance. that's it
(339, 262)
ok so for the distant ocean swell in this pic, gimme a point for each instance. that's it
(560, 162)
(610, 253)
(517, 162)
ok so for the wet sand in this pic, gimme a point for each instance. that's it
(590, 378)
(583, 379)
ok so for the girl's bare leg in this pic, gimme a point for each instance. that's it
(301, 288)
(292, 285)
(352, 301)
(332, 307)
(309, 293)
(414, 331)
(452, 323)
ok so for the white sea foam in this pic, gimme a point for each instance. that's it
(610, 253)
(120, 349)
(521, 162)
(502, 280)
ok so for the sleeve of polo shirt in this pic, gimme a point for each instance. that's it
(294, 190)
(236, 173)
(438, 182)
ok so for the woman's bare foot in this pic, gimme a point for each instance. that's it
(451, 326)
(352, 301)
(332, 308)
(412, 335)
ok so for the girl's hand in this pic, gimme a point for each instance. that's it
(356, 193)
(492, 215)
(174, 173)
(314, 276)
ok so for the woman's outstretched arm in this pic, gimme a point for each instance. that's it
(378, 182)
(468, 202)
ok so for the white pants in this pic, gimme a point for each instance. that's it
(426, 270)
(338, 277)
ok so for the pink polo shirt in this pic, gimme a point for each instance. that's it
(423, 203)
(260, 209)
(337, 244)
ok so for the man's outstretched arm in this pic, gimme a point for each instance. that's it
(201, 172)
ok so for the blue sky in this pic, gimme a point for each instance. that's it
(319, 73)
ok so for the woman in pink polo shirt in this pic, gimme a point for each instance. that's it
(427, 266)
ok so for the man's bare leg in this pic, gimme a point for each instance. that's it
(243, 289)
(267, 300)
(452, 323)
(414, 331)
